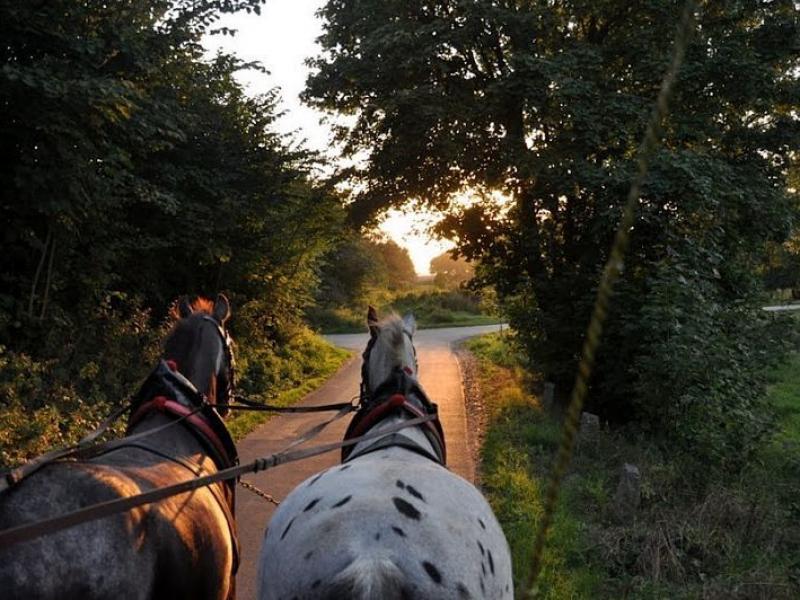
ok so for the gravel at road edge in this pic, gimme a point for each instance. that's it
(475, 409)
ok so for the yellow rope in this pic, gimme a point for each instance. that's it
(609, 277)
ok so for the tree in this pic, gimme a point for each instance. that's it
(547, 102)
(397, 269)
(358, 264)
(450, 272)
(136, 170)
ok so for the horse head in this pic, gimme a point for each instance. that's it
(200, 348)
(390, 348)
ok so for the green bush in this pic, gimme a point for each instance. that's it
(80, 377)
(720, 536)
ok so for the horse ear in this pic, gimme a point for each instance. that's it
(410, 323)
(184, 307)
(372, 321)
(222, 309)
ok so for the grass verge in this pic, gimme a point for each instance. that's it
(520, 441)
(713, 537)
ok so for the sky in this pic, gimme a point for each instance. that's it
(281, 38)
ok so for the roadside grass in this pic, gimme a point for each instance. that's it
(711, 537)
(520, 441)
(302, 366)
(432, 307)
(784, 394)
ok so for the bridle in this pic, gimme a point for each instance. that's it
(365, 388)
(230, 371)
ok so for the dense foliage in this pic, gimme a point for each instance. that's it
(546, 103)
(782, 266)
(358, 264)
(732, 537)
(449, 271)
(136, 170)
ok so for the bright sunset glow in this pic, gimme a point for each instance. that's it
(408, 230)
(281, 38)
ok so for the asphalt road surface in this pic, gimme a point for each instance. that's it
(441, 379)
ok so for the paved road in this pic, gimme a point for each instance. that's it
(441, 378)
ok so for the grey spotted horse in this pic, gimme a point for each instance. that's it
(181, 547)
(391, 521)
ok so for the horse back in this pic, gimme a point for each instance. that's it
(385, 527)
(172, 548)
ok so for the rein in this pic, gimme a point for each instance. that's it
(84, 448)
(243, 403)
(167, 391)
(23, 533)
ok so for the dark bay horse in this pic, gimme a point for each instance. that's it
(181, 547)
(392, 522)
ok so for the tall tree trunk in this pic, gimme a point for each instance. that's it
(49, 279)
(39, 268)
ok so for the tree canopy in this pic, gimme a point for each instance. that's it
(357, 264)
(547, 102)
(134, 165)
(136, 170)
(450, 272)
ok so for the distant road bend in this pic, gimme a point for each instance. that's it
(439, 375)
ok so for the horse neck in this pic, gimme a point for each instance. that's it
(175, 440)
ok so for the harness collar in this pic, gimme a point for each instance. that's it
(168, 391)
(390, 397)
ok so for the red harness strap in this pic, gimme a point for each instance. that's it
(375, 415)
(398, 401)
(165, 405)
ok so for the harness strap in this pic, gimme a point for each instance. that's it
(376, 414)
(243, 403)
(394, 440)
(199, 425)
(28, 531)
(83, 449)
(398, 401)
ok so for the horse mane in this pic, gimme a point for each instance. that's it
(199, 304)
(391, 336)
